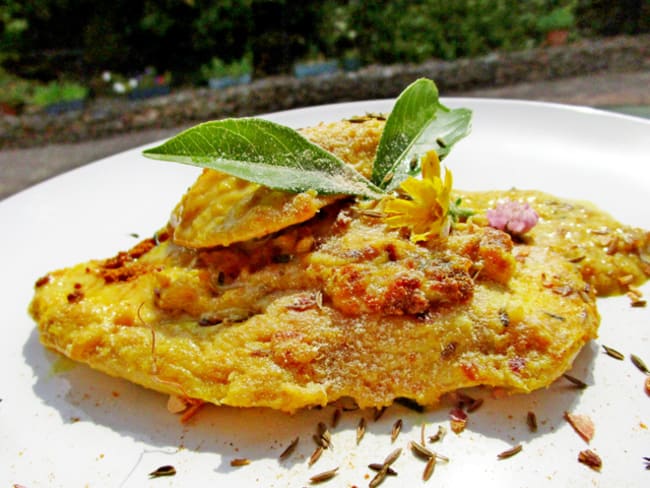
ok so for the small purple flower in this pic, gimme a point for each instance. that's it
(516, 218)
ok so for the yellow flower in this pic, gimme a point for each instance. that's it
(426, 211)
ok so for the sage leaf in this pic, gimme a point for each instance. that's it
(417, 123)
(266, 153)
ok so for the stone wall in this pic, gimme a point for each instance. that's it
(104, 117)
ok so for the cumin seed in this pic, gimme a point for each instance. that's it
(324, 476)
(336, 417)
(378, 413)
(638, 362)
(324, 435)
(167, 470)
(613, 353)
(510, 452)
(531, 421)
(289, 450)
(410, 404)
(315, 456)
(576, 382)
(397, 428)
(428, 469)
(378, 467)
(240, 462)
(555, 316)
(475, 405)
(379, 478)
(361, 429)
(421, 451)
(393, 456)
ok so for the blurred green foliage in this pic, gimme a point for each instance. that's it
(52, 39)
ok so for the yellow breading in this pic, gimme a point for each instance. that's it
(220, 209)
(337, 305)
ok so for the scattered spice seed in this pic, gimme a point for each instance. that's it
(410, 404)
(638, 362)
(475, 405)
(379, 477)
(647, 385)
(646, 460)
(336, 417)
(323, 436)
(397, 428)
(361, 429)
(428, 469)
(438, 436)
(582, 424)
(423, 428)
(315, 456)
(531, 420)
(393, 456)
(324, 476)
(638, 303)
(555, 316)
(420, 451)
(591, 459)
(289, 450)
(378, 413)
(577, 382)
(510, 452)
(378, 467)
(613, 353)
(237, 462)
(166, 470)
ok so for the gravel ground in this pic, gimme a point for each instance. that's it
(623, 92)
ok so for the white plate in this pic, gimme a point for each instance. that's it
(69, 426)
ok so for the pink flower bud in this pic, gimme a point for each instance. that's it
(516, 218)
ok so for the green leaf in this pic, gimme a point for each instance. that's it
(417, 124)
(266, 153)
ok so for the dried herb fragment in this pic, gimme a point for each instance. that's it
(531, 420)
(397, 428)
(167, 470)
(361, 429)
(324, 476)
(638, 362)
(576, 382)
(591, 459)
(510, 452)
(613, 353)
(458, 420)
(289, 449)
(438, 436)
(582, 424)
(237, 462)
